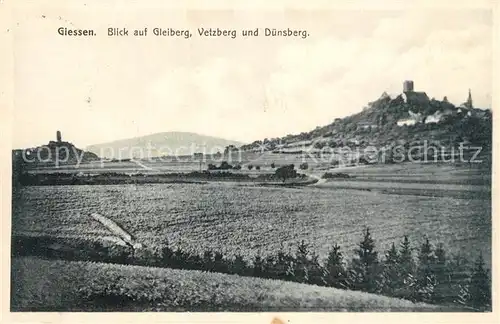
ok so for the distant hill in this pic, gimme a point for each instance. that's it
(55, 153)
(161, 144)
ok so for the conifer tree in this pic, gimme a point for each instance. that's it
(220, 264)
(314, 270)
(365, 268)
(391, 272)
(461, 268)
(463, 295)
(480, 286)
(167, 254)
(301, 262)
(239, 265)
(439, 263)
(407, 264)
(443, 289)
(284, 265)
(459, 275)
(269, 267)
(407, 270)
(335, 272)
(258, 266)
(179, 258)
(208, 260)
(425, 274)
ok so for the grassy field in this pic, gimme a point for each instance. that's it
(446, 173)
(464, 191)
(239, 219)
(43, 285)
(445, 203)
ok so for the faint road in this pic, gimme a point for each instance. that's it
(139, 163)
(312, 175)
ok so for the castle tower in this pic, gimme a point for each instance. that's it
(408, 86)
(58, 135)
(468, 103)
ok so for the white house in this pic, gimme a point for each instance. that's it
(412, 120)
(434, 118)
(406, 122)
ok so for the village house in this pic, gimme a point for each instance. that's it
(366, 125)
(413, 119)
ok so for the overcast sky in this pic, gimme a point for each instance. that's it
(101, 89)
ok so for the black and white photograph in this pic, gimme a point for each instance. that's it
(281, 159)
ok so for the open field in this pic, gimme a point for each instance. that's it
(464, 191)
(449, 173)
(240, 219)
(473, 174)
(43, 285)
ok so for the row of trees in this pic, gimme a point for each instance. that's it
(431, 277)
(283, 173)
(223, 166)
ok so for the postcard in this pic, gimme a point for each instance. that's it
(260, 162)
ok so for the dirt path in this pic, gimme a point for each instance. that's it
(117, 230)
(142, 165)
(314, 176)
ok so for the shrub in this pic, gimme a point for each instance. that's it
(364, 160)
(286, 172)
(340, 175)
(225, 166)
(319, 145)
(145, 256)
(250, 167)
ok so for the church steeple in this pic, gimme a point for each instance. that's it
(468, 104)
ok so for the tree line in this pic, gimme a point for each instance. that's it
(430, 275)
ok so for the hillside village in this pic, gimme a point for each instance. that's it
(407, 118)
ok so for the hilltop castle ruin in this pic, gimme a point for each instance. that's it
(410, 96)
